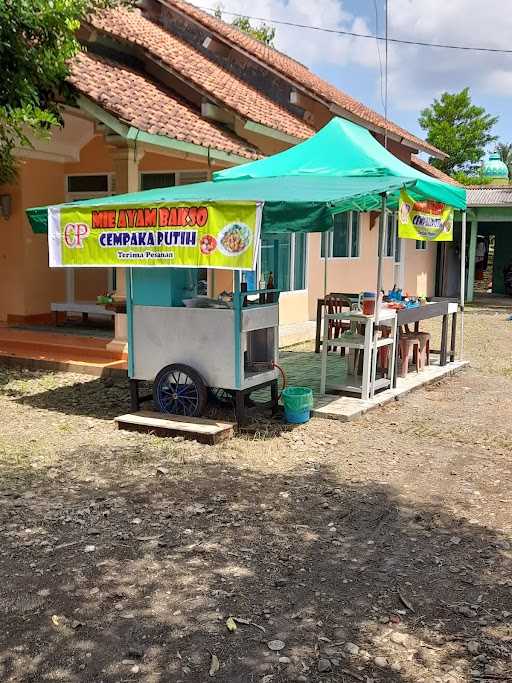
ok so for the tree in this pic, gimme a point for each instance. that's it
(505, 152)
(37, 41)
(465, 178)
(458, 127)
(264, 33)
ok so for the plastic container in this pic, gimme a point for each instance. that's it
(368, 303)
(297, 402)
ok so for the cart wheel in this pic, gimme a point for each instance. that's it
(179, 390)
(223, 397)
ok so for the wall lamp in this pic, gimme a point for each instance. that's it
(6, 206)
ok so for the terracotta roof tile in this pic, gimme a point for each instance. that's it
(297, 72)
(218, 83)
(153, 110)
(424, 166)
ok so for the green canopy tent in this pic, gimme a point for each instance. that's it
(344, 150)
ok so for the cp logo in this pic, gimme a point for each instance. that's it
(75, 234)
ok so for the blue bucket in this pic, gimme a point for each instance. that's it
(297, 417)
(297, 402)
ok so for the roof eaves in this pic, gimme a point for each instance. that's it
(131, 133)
(407, 139)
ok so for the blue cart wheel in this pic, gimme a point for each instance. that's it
(179, 390)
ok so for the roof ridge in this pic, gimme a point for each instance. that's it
(331, 92)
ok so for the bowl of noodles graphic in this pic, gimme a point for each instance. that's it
(234, 239)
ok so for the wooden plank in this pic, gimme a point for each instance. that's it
(196, 428)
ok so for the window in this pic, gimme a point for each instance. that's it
(390, 235)
(152, 181)
(88, 184)
(285, 257)
(421, 245)
(343, 240)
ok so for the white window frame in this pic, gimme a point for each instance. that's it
(395, 236)
(76, 196)
(330, 241)
(421, 245)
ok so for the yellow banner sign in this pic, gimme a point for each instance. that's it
(211, 235)
(424, 220)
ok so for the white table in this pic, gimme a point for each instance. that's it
(353, 341)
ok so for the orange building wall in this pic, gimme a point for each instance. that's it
(160, 163)
(42, 182)
(11, 255)
(95, 157)
(420, 268)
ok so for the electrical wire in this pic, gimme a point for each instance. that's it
(369, 36)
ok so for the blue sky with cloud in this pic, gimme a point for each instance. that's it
(416, 74)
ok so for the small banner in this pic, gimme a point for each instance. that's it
(211, 235)
(424, 220)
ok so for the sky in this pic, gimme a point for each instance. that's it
(416, 74)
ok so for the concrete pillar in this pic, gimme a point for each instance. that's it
(126, 169)
(471, 260)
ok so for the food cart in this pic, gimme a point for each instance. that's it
(226, 350)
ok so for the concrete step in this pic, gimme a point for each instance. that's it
(35, 344)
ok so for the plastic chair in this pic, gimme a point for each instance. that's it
(337, 305)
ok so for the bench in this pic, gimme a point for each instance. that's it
(85, 308)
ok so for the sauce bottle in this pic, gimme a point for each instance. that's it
(270, 285)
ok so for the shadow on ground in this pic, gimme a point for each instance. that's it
(108, 398)
(135, 581)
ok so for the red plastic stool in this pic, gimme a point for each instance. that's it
(409, 349)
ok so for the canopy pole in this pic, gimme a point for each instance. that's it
(462, 283)
(325, 241)
(380, 264)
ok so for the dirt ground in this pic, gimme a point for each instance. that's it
(377, 550)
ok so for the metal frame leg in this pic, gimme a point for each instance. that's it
(444, 342)
(240, 407)
(134, 395)
(454, 337)
(325, 349)
(318, 330)
(367, 361)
